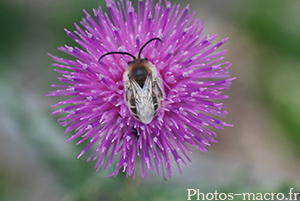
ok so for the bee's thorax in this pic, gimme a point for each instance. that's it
(139, 70)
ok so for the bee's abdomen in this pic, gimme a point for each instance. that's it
(155, 103)
(132, 107)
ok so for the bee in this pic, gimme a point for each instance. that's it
(144, 91)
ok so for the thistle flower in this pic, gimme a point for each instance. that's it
(192, 74)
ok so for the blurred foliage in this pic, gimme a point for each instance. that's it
(275, 29)
(26, 118)
(275, 25)
(13, 24)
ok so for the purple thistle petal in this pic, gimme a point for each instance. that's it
(192, 72)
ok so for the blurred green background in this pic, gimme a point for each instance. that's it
(259, 154)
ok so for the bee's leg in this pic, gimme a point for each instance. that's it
(158, 84)
(127, 91)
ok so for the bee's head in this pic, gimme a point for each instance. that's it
(138, 61)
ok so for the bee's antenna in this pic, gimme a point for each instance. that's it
(108, 53)
(147, 44)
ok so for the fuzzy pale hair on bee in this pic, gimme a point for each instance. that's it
(143, 87)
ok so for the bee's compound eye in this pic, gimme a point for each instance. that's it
(146, 59)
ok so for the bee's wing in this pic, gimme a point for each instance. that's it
(147, 89)
(136, 89)
(143, 100)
